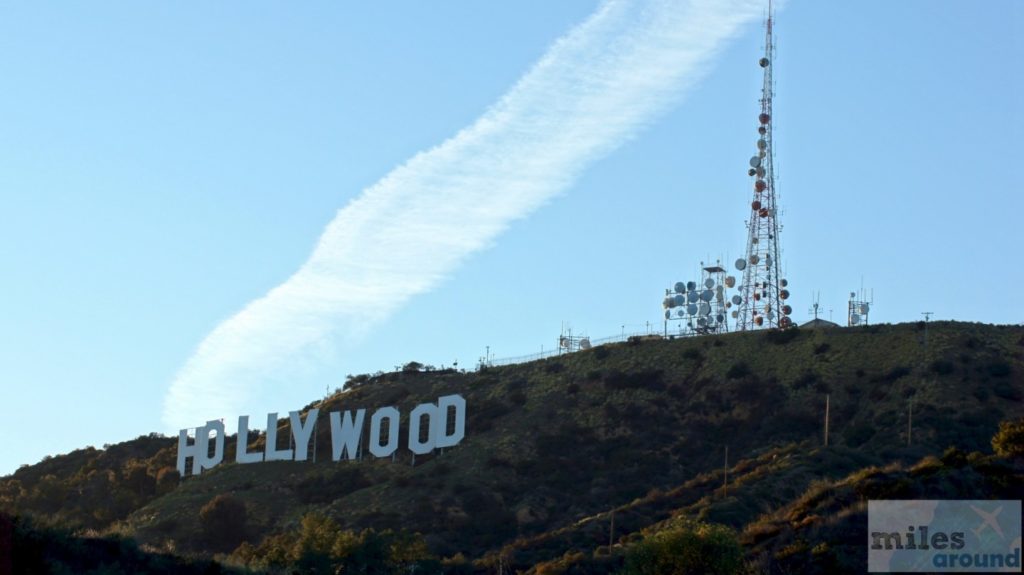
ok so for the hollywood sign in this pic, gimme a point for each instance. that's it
(346, 435)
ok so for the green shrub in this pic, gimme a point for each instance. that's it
(223, 521)
(690, 548)
(1009, 440)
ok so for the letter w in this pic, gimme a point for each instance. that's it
(345, 436)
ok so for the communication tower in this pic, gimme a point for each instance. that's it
(763, 293)
(858, 308)
(700, 307)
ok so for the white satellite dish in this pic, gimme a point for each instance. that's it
(761, 144)
(769, 314)
(864, 309)
(755, 161)
(709, 283)
(854, 319)
(706, 295)
(705, 309)
(730, 281)
(585, 343)
(741, 264)
(737, 300)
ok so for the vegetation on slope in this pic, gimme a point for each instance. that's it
(554, 446)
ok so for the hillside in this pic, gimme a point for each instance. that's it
(555, 449)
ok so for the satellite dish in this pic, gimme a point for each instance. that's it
(705, 309)
(759, 172)
(852, 295)
(784, 294)
(737, 300)
(787, 309)
(669, 302)
(668, 314)
(679, 299)
(585, 343)
(709, 283)
(741, 264)
(755, 161)
(706, 295)
(681, 312)
(760, 185)
(702, 322)
(735, 314)
(864, 308)
(769, 314)
(751, 172)
(728, 304)
(730, 281)
(692, 297)
(690, 286)
(768, 259)
(754, 259)
(783, 283)
(691, 309)
(680, 287)
(720, 318)
(761, 144)
(854, 318)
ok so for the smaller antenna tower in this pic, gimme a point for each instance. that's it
(816, 305)
(859, 307)
(701, 307)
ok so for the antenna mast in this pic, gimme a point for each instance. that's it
(763, 291)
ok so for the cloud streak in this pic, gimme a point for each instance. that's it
(595, 88)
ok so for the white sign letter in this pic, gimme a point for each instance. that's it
(415, 418)
(241, 449)
(442, 438)
(391, 414)
(186, 450)
(345, 436)
(273, 453)
(302, 432)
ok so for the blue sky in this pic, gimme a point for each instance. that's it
(162, 167)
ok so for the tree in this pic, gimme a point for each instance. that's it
(224, 521)
(688, 548)
(1009, 440)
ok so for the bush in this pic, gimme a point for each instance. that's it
(738, 370)
(942, 366)
(601, 352)
(691, 548)
(224, 521)
(1009, 440)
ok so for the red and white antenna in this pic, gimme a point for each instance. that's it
(763, 293)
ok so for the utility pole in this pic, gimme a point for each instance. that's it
(725, 474)
(910, 421)
(611, 531)
(826, 419)
(927, 315)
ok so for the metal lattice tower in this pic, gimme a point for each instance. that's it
(763, 290)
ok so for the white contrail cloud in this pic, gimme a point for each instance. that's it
(595, 88)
